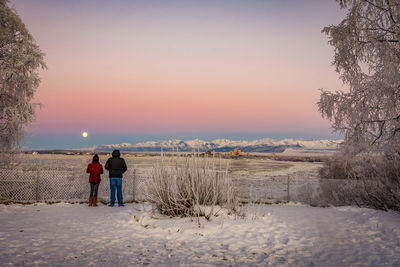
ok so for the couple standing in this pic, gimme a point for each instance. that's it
(116, 167)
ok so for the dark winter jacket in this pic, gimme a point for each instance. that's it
(116, 165)
(95, 169)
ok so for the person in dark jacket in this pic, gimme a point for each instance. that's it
(95, 169)
(116, 167)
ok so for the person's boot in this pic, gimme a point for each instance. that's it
(94, 201)
(90, 201)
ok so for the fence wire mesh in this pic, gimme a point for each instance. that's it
(38, 185)
(294, 187)
(66, 180)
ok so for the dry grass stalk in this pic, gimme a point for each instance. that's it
(193, 187)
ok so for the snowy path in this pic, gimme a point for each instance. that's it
(76, 235)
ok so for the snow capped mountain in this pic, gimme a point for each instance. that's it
(224, 145)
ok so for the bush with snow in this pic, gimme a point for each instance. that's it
(194, 187)
(367, 180)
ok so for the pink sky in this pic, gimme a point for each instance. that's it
(149, 66)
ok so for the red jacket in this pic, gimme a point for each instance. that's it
(95, 169)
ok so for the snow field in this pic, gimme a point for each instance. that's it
(269, 235)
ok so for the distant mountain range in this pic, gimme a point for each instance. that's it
(266, 145)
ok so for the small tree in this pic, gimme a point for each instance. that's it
(20, 59)
(367, 57)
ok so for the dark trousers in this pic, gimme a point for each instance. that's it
(94, 187)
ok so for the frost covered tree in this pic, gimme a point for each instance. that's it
(367, 58)
(20, 60)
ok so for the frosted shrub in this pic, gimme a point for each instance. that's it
(193, 187)
(380, 183)
(372, 181)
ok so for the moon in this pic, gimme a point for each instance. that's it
(85, 134)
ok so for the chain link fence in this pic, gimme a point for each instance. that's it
(66, 180)
(73, 186)
(62, 185)
(294, 187)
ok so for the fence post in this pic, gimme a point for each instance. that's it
(37, 189)
(133, 185)
(251, 193)
(288, 188)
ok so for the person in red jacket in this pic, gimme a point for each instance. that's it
(95, 169)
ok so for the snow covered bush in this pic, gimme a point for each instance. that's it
(193, 187)
(367, 180)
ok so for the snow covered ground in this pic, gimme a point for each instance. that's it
(269, 235)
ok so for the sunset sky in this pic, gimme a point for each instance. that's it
(126, 67)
